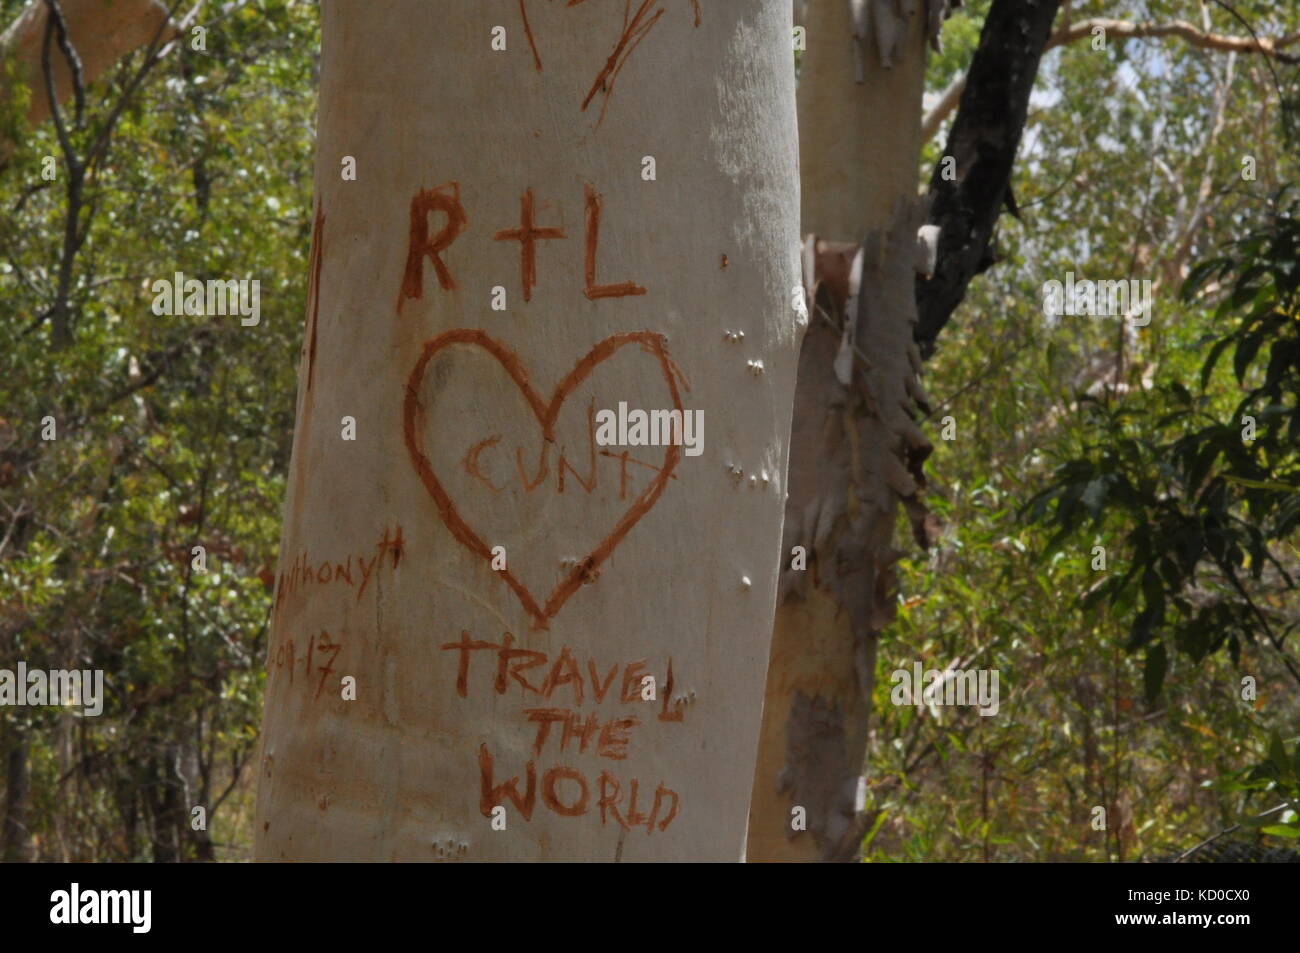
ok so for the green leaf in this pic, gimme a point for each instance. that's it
(1261, 484)
(1281, 830)
(1153, 674)
(1212, 359)
(1277, 753)
(1247, 350)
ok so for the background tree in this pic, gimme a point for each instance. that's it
(856, 448)
(971, 186)
(1134, 164)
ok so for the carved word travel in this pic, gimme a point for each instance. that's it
(565, 790)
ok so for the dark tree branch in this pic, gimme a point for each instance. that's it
(160, 364)
(59, 313)
(152, 54)
(27, 194)
(70, 54)
(75, 231)
(1205, 843)
(984, 140)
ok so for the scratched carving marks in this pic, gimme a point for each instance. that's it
(545, 413)
(318, 661)
(313, 290)
(509, 715)
(527, 235)
(634, 31)
(579, 715)
(528, 32)
(444, 199)
(636, 26)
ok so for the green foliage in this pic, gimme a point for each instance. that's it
(1276, 774)
(1203, 503)
(173, 432)
(1118, 148)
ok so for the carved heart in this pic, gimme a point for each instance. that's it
(546, 413)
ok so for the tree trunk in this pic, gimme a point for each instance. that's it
(167, 808)
(856, 449)
(493, 584)
(983, 143)
(15, 839)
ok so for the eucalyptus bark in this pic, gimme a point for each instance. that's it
(983, 143)
(856, 449)
(494, 584)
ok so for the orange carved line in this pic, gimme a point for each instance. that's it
(546, 413)
(528, 32)
(613, 77)
(543, 467)
(313, 290)
(471, 461)
(589, 484)
(592, 290)
(437, 199)
(527, 234)
(633, 32)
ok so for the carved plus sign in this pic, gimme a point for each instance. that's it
(527, 234)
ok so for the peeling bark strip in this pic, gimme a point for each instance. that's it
(857, 451)
(984, 139)
(818, 773)
(882, 25)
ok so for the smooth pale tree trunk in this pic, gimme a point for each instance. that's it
(856, 451)
(527, 173)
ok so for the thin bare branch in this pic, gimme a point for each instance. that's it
(1270, 47)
